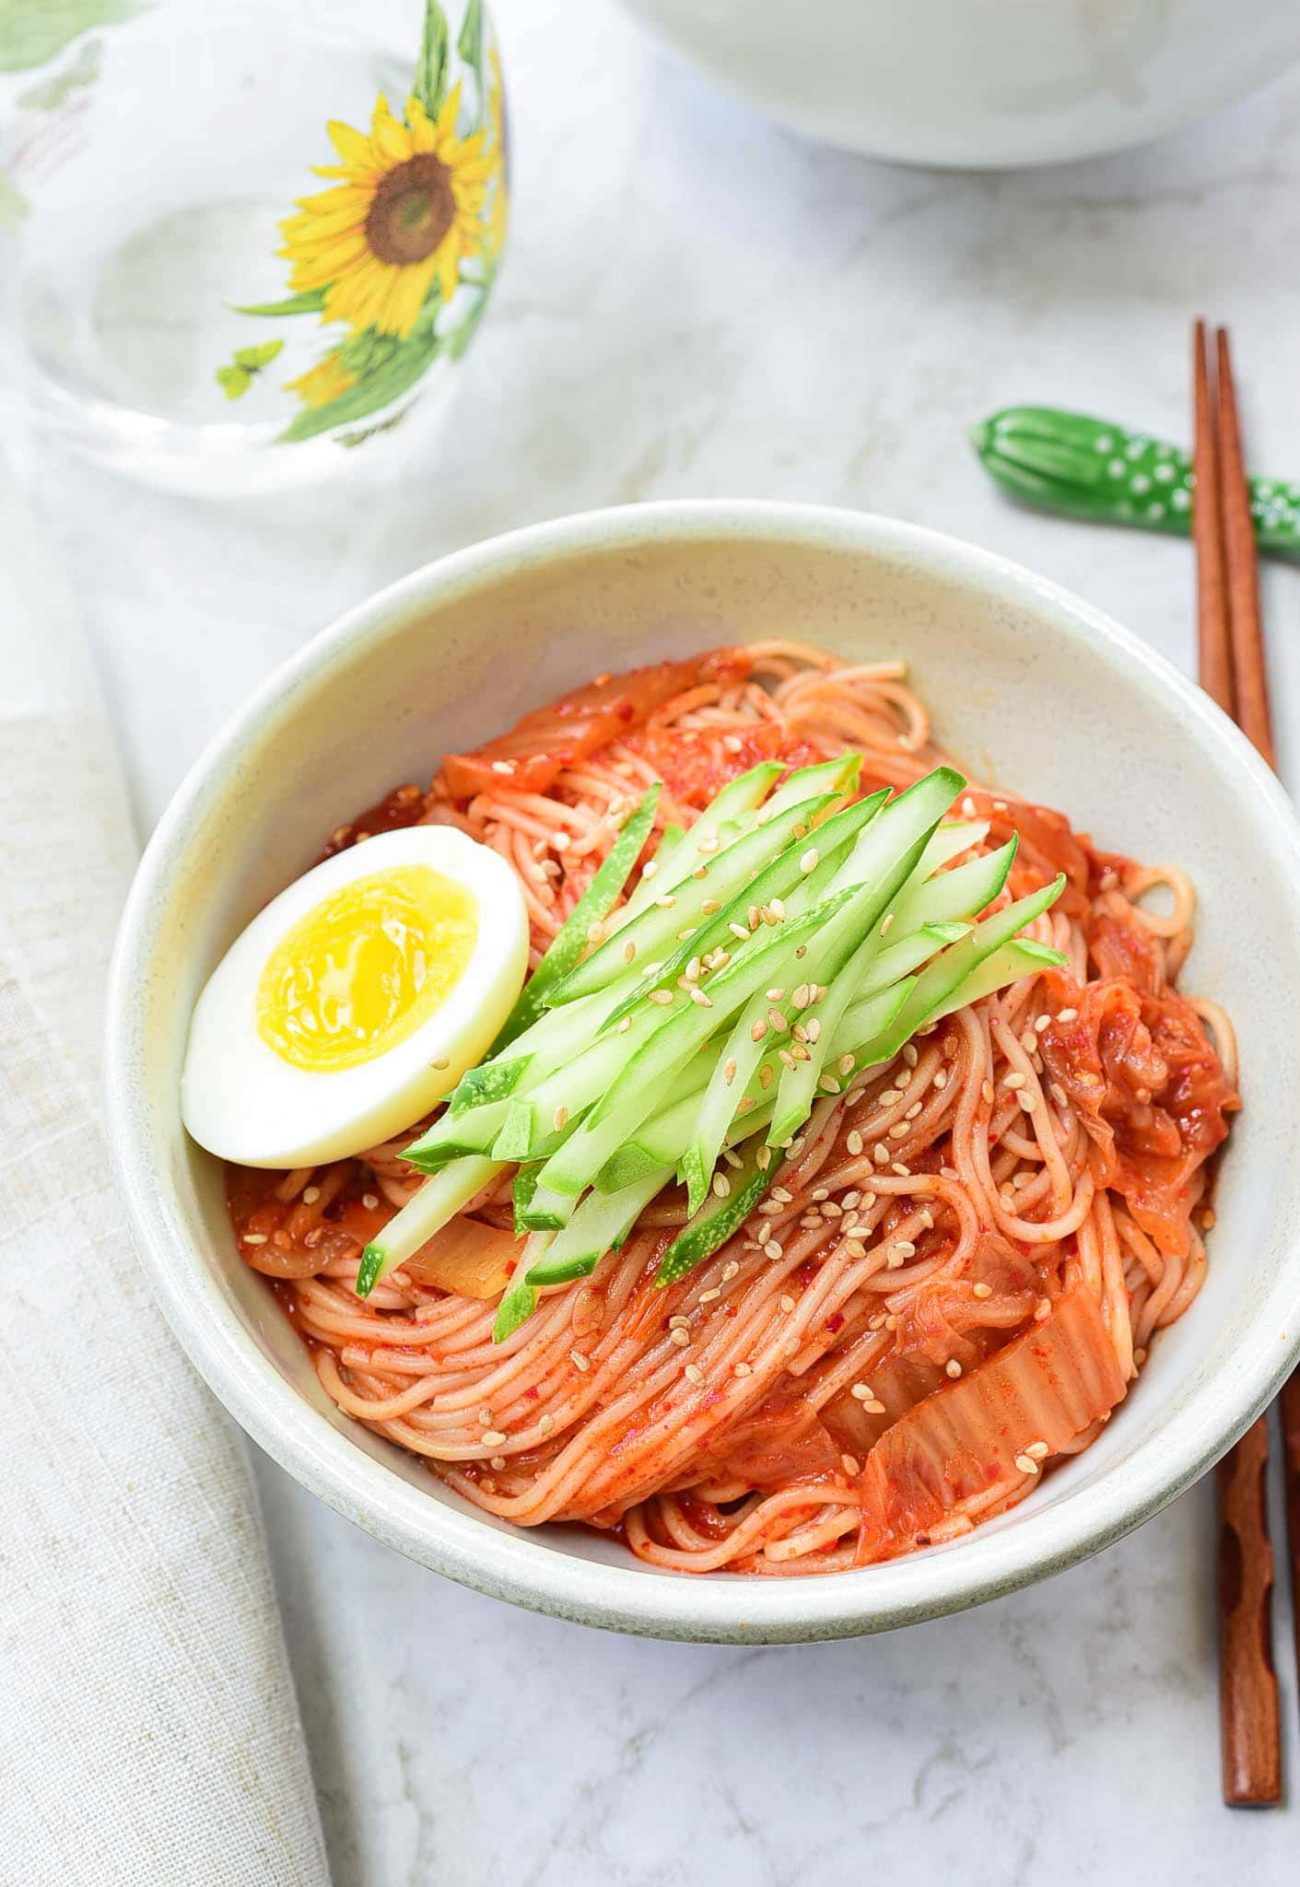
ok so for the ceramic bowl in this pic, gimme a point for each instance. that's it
(998, 85)
(1027, 683)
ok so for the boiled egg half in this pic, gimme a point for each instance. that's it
(356, 1000)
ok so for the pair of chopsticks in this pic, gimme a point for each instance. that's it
(1230, 656)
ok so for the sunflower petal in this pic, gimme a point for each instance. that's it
(352, 146)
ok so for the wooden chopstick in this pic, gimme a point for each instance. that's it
(1231, 665)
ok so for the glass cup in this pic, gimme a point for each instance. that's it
(239, 241)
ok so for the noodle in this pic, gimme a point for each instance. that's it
(1014, 1204)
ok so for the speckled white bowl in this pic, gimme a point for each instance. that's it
(1029, 684)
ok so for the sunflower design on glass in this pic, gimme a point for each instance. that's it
(400, 253)
(407, 213)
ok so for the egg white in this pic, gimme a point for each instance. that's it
(241, 1101)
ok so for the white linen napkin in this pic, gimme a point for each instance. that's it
(148, 1726)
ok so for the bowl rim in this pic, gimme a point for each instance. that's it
(512, 1564)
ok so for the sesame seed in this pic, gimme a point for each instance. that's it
(777, 908)
(624, 1026)
(661, 995)
(502, 766)
(812, 1030)
(1026, 1464)
(986, 1091)
(710, 1297)
(903, 1171)
(799, 1032)
(982, 1290)
(745, 1104)
(741, 1369)
(889, 1096)
(873, 1407)
(773, 1248)
(1016, 1080)
(810, 860)
(854, 1143)
(440, 1062)
(776, 1020)
(666, 902)
(561, 841)
(497, 1461)
(699, 998)
(914, 1110)
(730, 1270)
(846, 1064)
(701, 871)
(888, 921)
(766, 1075)
(694, 1374)
(968, 807)
(851, 1465)
(733, 743)
(369, 1200)
(899, 1130)
(629, 950)
(941, 1078)
(255, 1238)
(710, 907)
(787, 1304)
(680, 1337)
(721, 1185)
(758, 1030)
(1027, 1100)
(561, 1115)
(952, 1368)
(753, 917)
(1059, 1095)
(880, 1153)
(802, 996)
(310, 1195)
(1067, 1015)
(710, 845)
(1207, 1219)
(739, 931)
(861, 1392)
(579, 1361)
(1041, 1023)
(854, 1248)
(763, 1159)
(546, 1423)
(595, 932)
(729, 1070)
(1037, 1450)
(684, 936)
(910, 1054)
(679, 1322)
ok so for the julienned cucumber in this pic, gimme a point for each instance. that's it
(438, 1200)
(600, 1096)
(1092, 468)
(595, 904)
(724, 1214)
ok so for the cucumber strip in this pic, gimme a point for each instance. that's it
(471, 1131)
(1021, 957)
(910, 818)
(838, 776)
(530, 1119)
(964, 891)
(595, 904)
(797, 1089)
(837, 945)
(554, 1037)
(721, 1218)
(734, 805)
(949, 973)
(425, 1213)
(784, 878)
(899, 959)
(654, 933)
(600, 1224)
(615, 1118)
(520, 1300)
(952, 838)
(536, 1209)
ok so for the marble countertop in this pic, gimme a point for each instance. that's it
(699, 304)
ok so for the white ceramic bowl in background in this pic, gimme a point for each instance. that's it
(1028, 684)
(985, 84)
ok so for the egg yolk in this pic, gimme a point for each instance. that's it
(362, 970)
